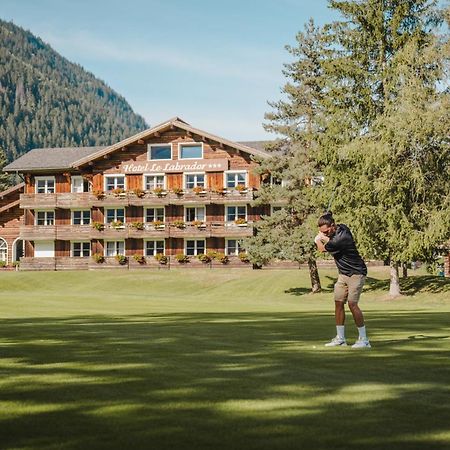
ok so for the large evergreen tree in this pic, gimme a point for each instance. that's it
(386, 136)
(5, 179)
(288, 233)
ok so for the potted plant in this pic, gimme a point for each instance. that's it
(181, 258)
(199, 190)
(99, 194)
(179, 224)
(204, 258)
(222, 258)
(241, 188)
(118, 192)
(98, 258)
(198, 223)
(137, 225)
(219, 191)
(99, 226)
(139, 258)
(241, 222)
(139, 193)
(117, 224)
(121, 259)
(162, 259)
(158, 224)
(159, 191)
(177, 191)
(244, 257)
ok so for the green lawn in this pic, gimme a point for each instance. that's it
(219, 359)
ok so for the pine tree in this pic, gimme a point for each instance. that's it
(386, 140)
(289, 232)
(5, 179)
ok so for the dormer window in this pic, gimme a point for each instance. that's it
(159, 151)
(190, 151)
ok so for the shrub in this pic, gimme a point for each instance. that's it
(222, 258)
(204, 258)
(2, 264)
(181, 258)
(244, 257)
(162, 259)
(98, 258)
(139, 258)
(121, 259)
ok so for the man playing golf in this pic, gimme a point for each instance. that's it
(337, 240)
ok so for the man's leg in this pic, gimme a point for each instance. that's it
(357, 314)
(340, 296)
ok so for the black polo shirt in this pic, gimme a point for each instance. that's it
(343, 248)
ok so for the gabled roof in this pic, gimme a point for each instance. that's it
(50, 158)
(175, 122)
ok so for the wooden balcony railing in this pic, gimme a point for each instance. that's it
(38, 232)
(88, 200)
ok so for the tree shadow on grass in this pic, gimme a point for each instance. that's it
(224, 381)
(409, 286)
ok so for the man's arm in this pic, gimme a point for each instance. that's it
(320, 241)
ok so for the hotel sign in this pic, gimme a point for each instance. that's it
(191, 165)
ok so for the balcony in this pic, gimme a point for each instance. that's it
(149, 230)
(36, 201)
(189, 229)
(38, 232)
(109, 232)
(231, 229)
(74, 200)
(73, 232)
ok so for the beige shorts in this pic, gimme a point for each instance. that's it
(348, 288)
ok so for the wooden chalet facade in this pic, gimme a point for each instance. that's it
(147, 201)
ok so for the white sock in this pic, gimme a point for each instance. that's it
(340, 331)
(362, 332)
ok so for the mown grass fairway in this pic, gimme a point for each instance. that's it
(219, 359)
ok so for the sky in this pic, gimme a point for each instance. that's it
(215, 64)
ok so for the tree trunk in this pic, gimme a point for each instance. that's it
(405, 270)
(394, 287)
(314, 275)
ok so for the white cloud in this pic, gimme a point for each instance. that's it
(243, 64)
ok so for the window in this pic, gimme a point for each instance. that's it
(154, 181)
(81, 249)
(195, 213)
(236, 212)
(159, 151)
(193, 180)
(44, 249)
(190, 151)
(153, 248)
(233, 247)
(79, 184)
(3, 250)
(152, 214)
(195, 247)
(81, 217)
(235, 179)
(114, 182)
(45, 218)
(45, 185)
(114, 248)
(115, 215)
